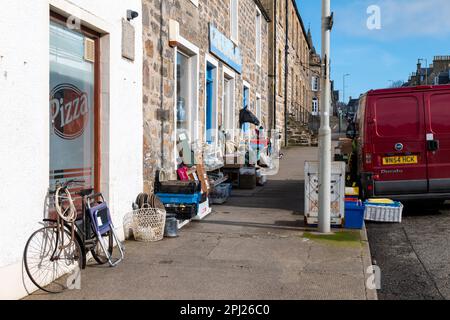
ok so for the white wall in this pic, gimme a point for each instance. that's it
(24, 119)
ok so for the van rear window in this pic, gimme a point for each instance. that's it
(440, 113)
(397, 117)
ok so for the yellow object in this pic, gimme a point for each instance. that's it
(391, 161)
(381, 201)
(354, 191)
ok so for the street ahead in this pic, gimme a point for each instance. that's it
(414, 256)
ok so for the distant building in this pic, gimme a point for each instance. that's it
(435, 74)
(352, 108)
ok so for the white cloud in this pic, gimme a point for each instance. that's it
(399, 18)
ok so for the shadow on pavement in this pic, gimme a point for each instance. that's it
(276, 194)
(280, 225)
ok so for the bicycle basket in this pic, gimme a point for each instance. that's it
(148, 224)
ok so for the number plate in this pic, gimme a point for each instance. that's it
(391, 161)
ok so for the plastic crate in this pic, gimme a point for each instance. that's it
(221, 193)
(182, 211)
(383, 212)
(168, 198)
(178, 187)
(247, 178)
(354, 215)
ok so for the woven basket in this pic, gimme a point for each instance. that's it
(148, 224)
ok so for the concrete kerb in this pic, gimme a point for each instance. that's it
(371, 294)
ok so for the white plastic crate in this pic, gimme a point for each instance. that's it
(337, 193)
(384, 213)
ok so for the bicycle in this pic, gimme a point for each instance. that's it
(61, 246)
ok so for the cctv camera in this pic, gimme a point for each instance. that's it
(132, 15)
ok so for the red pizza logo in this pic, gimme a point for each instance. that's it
(69, 108)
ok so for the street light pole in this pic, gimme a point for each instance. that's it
(343, 87)
(325, 130)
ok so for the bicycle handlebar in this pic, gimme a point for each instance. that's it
(66, 185)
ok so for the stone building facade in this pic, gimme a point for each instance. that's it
(200, 68)
(293, 64)
(430, 74)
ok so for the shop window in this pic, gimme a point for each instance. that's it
(73, 109)
(246, 103)
(258, 36)
(186, 77)
(228, 106)
(234, 20)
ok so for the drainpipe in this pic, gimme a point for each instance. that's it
(275, 42)
(286, 75)
(161, 73)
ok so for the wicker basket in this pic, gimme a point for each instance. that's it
(148, 224)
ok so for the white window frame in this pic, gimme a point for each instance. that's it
(234, 21)
(186, 48)
(195, 2)
(258, 46)
(315, 83)
(315, 107)
(214, 62)
(229, 111)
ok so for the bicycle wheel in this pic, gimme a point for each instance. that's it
(98, 253)
(46, 264)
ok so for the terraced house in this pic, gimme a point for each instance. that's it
(204, 61)
(295, 71)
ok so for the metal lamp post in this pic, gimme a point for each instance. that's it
(325, 130)
(343, 86)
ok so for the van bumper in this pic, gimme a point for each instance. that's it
(375, 189)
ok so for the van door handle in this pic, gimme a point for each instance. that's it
(433, 145)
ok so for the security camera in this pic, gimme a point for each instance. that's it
(132, 15)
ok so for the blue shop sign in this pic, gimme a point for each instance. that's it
(225, 49)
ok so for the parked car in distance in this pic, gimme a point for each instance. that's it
(404, 143)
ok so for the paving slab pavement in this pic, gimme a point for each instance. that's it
(251, 248)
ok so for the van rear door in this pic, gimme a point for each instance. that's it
(437, 109)
(397, 123)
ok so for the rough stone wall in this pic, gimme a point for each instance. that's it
(159, 64)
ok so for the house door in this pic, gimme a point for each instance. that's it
(73, 115)
(210, 114)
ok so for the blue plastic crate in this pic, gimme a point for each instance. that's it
(167, 198)
(354, 215)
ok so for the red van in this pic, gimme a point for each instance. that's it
(404, 143)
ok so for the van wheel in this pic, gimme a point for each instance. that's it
(435, 204)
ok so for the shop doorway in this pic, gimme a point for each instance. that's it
(74, 106)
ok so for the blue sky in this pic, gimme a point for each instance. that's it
(410, 29)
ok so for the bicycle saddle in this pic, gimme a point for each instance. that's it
(86, 192)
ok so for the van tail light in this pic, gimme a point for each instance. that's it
(368, 158)
(370, 187)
